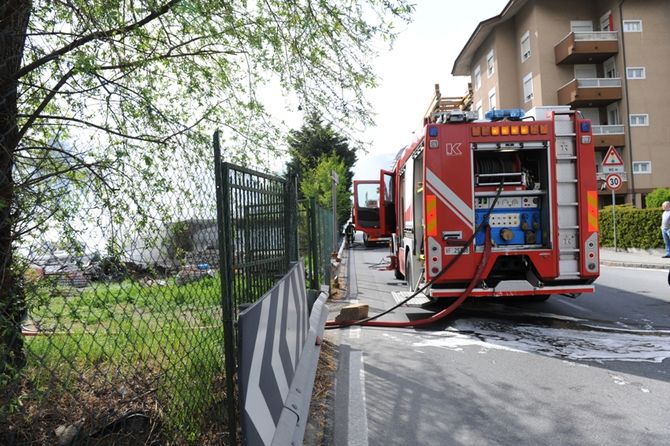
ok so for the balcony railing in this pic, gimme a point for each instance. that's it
(608, 135)
(607, 129)
(586, 47)
(590, 92)
(594, 35)
(599, 82)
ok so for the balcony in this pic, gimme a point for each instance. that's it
(590, 92)
(586, 47)
(608, 135)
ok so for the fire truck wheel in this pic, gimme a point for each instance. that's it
(366, 241)
(408, 272)
(398, 274)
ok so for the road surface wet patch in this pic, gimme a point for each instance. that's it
(565, 339)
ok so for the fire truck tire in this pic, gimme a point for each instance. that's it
(408, 272)
(366, 241)
(398, 274)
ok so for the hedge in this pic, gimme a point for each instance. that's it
(635, 228)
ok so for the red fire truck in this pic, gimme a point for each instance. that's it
(510, 201)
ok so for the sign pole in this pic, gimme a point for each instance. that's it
(614, 221)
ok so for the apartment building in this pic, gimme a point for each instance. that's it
(609, 59)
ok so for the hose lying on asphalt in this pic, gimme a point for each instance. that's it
(371, 322)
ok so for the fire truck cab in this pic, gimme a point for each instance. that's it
(532, 182)
(374, 208)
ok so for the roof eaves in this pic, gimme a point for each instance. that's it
(464, 60)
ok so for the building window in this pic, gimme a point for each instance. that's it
(489, 64)
(528, 87)
(478, 109)
(632, 26)
(642, 167)
(639, 120)
(492, 99)
(525, 46)
(609, 67)
(478, 78)
(636, 73)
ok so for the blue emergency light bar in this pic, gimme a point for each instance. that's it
(505, 113)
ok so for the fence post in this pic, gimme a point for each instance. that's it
(313, 244)
(290, 219)
(221, 171)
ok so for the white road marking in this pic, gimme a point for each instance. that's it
(570, 304)
(357, 431)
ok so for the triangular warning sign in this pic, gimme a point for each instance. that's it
(612, 158)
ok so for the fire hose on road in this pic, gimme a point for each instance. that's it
(372, 322)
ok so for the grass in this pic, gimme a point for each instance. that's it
(112, 348)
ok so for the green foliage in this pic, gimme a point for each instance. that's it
(636, 228)
(656, 197)
(317, 184)
(118, 99)
(315, 140)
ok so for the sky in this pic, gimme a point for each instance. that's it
(422, 56)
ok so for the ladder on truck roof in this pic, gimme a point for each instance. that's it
(567, 195)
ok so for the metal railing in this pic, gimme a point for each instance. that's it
(608, 129)
(585, 36)
(262, 230)
(595, 35)
(599, 82)
(315, 242)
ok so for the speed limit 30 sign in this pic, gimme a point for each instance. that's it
(613, 181)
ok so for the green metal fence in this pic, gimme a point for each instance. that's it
(262, 230)
(315, 242)
(128, 334)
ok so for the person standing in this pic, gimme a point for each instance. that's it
(665, 228)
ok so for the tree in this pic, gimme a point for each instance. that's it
(104, 97)
(317, 184)
(315, 140)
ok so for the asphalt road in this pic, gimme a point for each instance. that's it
(586, 371)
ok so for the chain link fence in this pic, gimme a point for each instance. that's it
(122, 329)
(125, 319)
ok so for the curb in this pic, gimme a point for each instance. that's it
(634, 264)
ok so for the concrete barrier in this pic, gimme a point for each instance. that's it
(279, 353)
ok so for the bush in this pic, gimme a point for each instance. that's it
(656, 197)
(636, 228)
